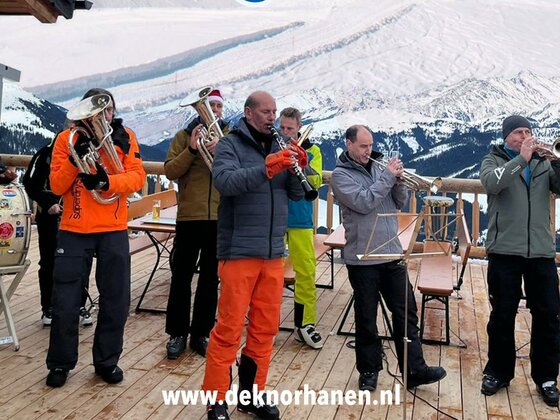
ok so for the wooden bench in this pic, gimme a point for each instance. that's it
(140, 208)
(435, 276)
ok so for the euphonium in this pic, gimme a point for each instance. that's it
(199, 101)
(89, 112)
(413, 181)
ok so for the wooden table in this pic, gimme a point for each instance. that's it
(165, 225)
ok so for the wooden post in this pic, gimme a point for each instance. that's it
(443, 219)
(459, 209)
(158, 184)
(330, 209)
(475, 219)
(412, 202)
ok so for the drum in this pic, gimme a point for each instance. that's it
(437, 221)
(438, 201)
(15, 225)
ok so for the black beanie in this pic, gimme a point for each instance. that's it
(512, 122)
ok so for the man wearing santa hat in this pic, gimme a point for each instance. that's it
(195, 235)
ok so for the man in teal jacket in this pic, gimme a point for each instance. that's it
(520, 246)
(300, 237)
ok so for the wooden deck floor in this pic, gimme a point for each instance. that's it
(24, 395)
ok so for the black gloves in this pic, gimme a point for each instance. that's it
(81, 146)
(98, 181)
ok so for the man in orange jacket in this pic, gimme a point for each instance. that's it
(90, 228)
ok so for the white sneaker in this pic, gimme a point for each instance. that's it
(85, 317)
(46, 318)
(310, 336)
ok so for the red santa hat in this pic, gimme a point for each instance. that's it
(216, 96)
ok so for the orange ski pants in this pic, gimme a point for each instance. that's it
(248, 283)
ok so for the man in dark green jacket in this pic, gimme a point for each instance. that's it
(520, 245)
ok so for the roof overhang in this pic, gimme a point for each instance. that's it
(47, 11)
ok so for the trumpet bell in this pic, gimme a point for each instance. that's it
(549, 150)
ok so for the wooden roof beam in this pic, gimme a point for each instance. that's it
(42, 10)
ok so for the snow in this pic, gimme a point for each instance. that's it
(15, 110)
(392, 64)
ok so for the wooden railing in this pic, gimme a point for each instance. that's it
(457, 186)
(151, 168)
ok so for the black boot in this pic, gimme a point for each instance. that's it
(247, 372)
(298, 314)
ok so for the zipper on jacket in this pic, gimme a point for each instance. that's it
(117, 209)
(210, 197)
(497, 228)
(529, 209)
(271, 220)
(528, 220)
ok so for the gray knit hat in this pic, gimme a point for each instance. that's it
(513, 122)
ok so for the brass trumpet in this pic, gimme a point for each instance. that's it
(549, 151)
(305, 134)
(413, 181)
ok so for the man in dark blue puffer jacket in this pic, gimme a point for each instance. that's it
(251, 172)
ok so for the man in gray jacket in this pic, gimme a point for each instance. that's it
(520, 246)
(364, 191)
(251, 173)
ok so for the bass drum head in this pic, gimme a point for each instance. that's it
(15, 225)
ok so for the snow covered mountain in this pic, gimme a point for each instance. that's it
(28, 122)
(432, 78)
